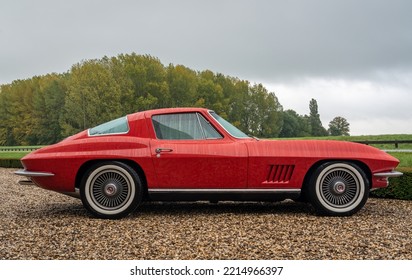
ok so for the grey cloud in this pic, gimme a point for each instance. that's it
(251, 39)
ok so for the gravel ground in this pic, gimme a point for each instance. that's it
(39, 224)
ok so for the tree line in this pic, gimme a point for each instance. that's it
(45, 109)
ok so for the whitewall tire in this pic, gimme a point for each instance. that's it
(338, 188)
(111, 190)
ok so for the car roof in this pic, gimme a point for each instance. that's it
(150, 113)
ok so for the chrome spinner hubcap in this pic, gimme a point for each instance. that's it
(339, 187)
(110, 189)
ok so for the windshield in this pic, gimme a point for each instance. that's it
(234, 131)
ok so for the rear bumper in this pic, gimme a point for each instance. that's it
(29, 182)
(29, 174)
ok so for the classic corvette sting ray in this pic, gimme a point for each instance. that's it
(185, 154)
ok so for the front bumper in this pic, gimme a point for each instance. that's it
(390, 174)
(380, 179)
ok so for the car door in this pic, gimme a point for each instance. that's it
(189, 152)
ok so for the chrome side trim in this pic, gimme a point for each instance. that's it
(390, 174)
(225, 190)
(33, 173)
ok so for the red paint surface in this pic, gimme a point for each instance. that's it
(221, 163)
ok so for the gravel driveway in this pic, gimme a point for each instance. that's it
(39, 224)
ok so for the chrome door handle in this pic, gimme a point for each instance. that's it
(163, 150)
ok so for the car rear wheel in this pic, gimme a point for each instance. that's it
(111, 190)
(338, 189)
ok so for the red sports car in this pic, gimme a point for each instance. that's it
(194, 154)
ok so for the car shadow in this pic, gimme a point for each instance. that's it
(205, 208)
(53, 209)
(76, 209)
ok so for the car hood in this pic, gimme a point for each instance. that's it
(316, 149)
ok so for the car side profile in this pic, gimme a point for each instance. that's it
(191, 154)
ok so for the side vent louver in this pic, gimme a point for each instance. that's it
(279, 173)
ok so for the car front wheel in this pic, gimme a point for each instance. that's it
(338, 189)
(111, 190)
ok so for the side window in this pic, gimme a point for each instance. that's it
(209, 131)
(183, 126)
(177, 126)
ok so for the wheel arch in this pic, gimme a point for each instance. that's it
(88, 164)
(313, 168)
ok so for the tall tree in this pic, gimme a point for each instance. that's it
(264, 112)
(6, 127)
(182, 85)
(48, 107)
(238, 99)
(45, 109)
(314, 118)
(142, 79)
(209, 93)
(294, 125)
(93, 96)
(21, 110)
(339, 126)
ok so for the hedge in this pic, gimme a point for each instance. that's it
(10, 163)
(399, 187)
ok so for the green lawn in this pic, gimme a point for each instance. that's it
(15, 154)
(23, 147)
(404, 158)
(12, 155)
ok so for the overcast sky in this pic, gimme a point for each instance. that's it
(353, 57)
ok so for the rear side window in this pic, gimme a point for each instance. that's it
(183, 126)
(117, 126)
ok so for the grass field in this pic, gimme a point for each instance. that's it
(404, 158)
(12, 155)
(15, 154)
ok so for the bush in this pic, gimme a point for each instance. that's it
(10, 163)
(399, 188)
